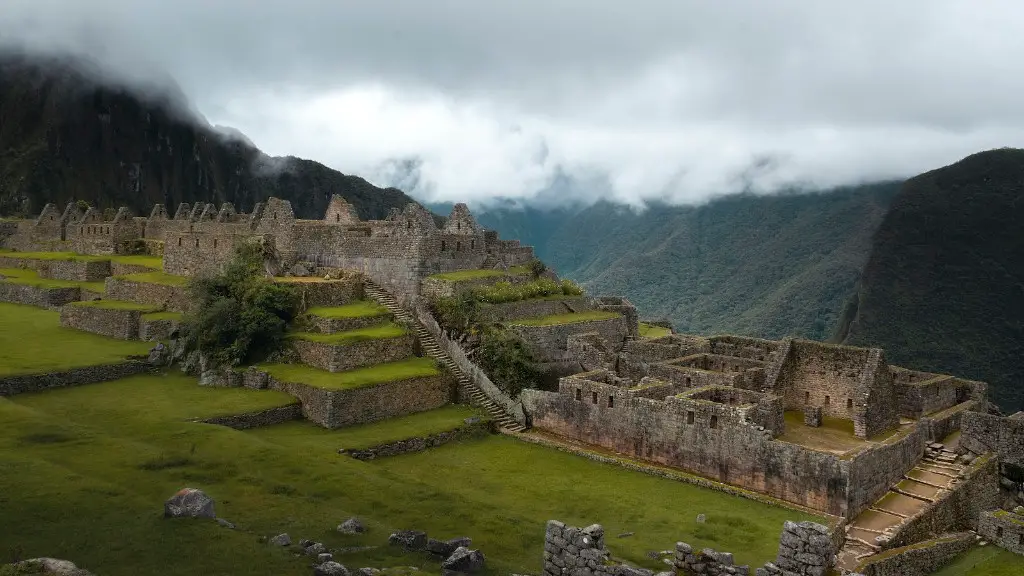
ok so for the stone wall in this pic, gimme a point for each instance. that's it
(338, 358)
(152, 330)
(987, 433)
(268, 417)
(958, 509)
(1004, 529)
(421, 443)
(706, 561)
(438, 288)
(933, 395)
(115, 323)
(11, 385)
(877, 468)
(920, 559)
(337, 408)
(805, 548)
(570, 551)
(714, 440)
(159, 295)
(328, 292)
(942, 424)
(74, 270)
(530, 309)
(37, 295)
(743, 347)
(334, 325)
(549, 343)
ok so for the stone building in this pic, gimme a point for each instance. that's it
(732, 409)
(397, 252)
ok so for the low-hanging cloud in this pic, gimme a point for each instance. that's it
(661, 99)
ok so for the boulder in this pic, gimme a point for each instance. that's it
(300, 269)
(351, 526)
(368, 572)
(50, 567)
(701, 518)
(281, 540)
(315, 549)
(409, 539)
(225, 523)
(189, 503)
(464, 560)
(159, 355)
(331, 568)
(324, 558)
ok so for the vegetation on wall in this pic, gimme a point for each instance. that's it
(502, 292)
(507, 361)
(239, 316)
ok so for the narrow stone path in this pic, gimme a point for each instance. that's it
(935, 474)
(434, 350)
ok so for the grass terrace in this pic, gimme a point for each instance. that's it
(652, 331)
(570, 318)
(59, 256)
(154, 262)
(156, 278)
(303, 435)
(358, 309)
(988, 561)
(463, 275)
(388, 330)
(151, 316)
(32, 341)
(117, 305)
(30, 277)
(359, 378)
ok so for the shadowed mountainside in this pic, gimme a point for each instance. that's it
(769, 266)
(65, 135)
(943, 288)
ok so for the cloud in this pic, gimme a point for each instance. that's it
(675, 100)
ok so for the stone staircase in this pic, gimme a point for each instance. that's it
(935, 474)
(434, 350)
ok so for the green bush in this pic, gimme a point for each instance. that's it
(507, 361)
(537, 268)
(458, 312)
(504, 291)
(240, 316)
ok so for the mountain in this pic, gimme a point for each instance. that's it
(67, 133)
(769, 266)
(943, 288)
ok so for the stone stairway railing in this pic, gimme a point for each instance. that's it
(437, 346)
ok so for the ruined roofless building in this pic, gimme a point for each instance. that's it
(396, 252)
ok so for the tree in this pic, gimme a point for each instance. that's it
(239, 316)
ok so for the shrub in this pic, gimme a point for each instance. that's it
(458, 312)
(239, 316)
(537, 268)
(507, 361)
(504, 291)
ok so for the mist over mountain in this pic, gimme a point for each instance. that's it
(70, 132)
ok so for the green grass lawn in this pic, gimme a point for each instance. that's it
(33, 341)
(652, 331)
(570, 318)
(57, 256)
(369, 376)
(30, 277)
(358, 309)
(987, 561)
(116, 305)
(461, 275)
(156, 278)
(302, 434)
(388, 330)
(86, 470)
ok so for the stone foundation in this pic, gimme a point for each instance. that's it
(258, 419)
(337, 408)
(11, 385)
(38, 296)
(158, 295)
(339, 358)
(121, 324)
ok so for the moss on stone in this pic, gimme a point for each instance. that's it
(153, 316)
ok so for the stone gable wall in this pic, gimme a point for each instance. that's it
(734, 451)
(1004, 529)
(121, 324)
(338, 358)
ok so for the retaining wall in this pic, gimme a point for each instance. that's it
(338, 358)
(11, 385)
(419, 444)
(121, 324)
(267, 417)
(38, 296)
(920, 559)
(160, 295)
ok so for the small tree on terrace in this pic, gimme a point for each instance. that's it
(239, 316)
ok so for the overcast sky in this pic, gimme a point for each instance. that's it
(666, 99)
